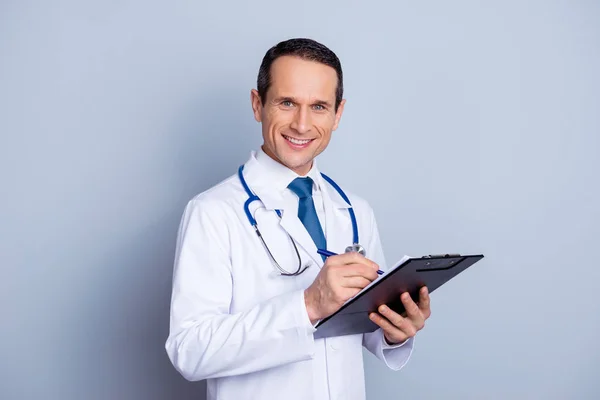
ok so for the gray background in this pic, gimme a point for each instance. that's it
(470, 126)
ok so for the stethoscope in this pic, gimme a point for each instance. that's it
(355, 246)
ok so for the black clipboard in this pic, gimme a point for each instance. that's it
(409, 275)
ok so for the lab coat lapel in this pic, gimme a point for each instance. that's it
(259, 185)
(273, 200)
(292, 225)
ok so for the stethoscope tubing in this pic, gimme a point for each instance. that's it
(253, 197)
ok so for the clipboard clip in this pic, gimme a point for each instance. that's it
(441, 255)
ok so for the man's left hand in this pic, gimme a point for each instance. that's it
(397, 328)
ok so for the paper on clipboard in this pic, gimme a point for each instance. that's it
(385, 272)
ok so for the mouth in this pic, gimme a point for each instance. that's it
(297, 143)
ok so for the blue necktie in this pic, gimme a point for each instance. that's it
(306, 210)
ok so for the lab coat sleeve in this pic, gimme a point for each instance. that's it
(206, 340)
(394, 356)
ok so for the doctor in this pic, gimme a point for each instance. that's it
(244, 304)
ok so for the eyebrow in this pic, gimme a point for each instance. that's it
(293, 100)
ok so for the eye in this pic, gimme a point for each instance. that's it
(319, 107)
(287, 103)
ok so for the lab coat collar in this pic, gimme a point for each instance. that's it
(269, 179)
(280, 176)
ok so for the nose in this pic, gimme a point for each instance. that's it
(301, 121)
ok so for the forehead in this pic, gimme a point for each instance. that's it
(293, 76)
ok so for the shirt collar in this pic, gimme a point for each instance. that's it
(281, 176)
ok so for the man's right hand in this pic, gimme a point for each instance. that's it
(340, 279)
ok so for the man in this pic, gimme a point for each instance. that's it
(244, 305)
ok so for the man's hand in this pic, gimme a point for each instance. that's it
(340, 279)
(397, 328)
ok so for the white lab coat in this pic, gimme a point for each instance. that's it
(240, 325)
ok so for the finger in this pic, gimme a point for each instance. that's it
(424, 302)
(355, 258)
(359, 270)
(349, 293)
(357, 282)
(396, 319)
(411, 307)
(406, 325)
(412, 311)
(390, 331)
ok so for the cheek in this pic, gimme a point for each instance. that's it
(325, 137)
(324, 122)
(277, 121)
(325, 127)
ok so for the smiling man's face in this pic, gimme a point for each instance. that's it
(298, 115)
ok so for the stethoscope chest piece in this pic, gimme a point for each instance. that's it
(356, 248)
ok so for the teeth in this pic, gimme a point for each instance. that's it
(297, 141)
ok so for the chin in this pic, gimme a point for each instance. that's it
(295, 163)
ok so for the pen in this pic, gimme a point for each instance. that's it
(328, 253)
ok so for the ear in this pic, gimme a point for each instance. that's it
(256, 105)
(338, 114)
